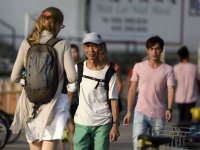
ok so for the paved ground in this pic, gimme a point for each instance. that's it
(123, 143)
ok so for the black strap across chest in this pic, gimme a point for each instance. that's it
(95, 79)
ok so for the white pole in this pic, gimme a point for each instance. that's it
(162, 57)
(26, 25)
(198, 59)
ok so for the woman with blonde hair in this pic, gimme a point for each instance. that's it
(45, 129)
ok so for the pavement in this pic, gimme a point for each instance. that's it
(123, 142)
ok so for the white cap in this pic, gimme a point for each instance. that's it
(92, 38)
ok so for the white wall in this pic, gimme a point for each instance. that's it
(191, 29)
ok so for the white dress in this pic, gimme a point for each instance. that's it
(55, 129)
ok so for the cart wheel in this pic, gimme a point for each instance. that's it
(13, 137)
(3, 133)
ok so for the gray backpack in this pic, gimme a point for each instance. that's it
(41, 72)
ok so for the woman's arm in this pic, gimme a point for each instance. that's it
(19, 64)
(69, 64)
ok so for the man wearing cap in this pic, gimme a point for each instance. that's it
(94, 121)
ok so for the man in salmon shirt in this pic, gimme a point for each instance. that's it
(188, 79)
(153, 78)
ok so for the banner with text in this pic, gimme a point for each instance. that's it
(136, 20)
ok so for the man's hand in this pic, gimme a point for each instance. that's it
(70, 96)
(114, 133)
(168, 115)
(127, 119)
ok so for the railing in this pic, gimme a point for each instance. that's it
(12, 29)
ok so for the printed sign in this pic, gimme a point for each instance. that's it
(136, 20)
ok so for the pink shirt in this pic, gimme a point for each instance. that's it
(152, 85)
(186, 75)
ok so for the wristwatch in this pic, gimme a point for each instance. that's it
(170, 110)
(116, 122)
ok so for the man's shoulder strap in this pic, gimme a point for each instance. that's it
(109, 73)
(80, 71)
(112, 64)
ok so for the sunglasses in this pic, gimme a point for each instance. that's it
(62, 26)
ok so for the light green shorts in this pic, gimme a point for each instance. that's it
(85, 135)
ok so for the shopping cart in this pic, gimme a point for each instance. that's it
(146, 141)
(179, 136)
(171, 137)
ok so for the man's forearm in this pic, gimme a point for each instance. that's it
(131, 96)
(70, 96)
(170, 97)
(115, 109)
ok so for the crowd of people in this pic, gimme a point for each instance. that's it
(89, 103)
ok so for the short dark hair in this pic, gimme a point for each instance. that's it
(183, 52)
(75, 46)
(104, 46)
(155, 40)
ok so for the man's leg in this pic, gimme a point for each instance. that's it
(71, 126)
(188, 115)
(181, 108)
(101, 136)
(140, 126)
(81, 137)
(157, 125)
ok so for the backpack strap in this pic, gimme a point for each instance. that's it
(95, 79)
(109, 73)
(112, 64)
(29, 43)
(53, 41)
(80, 71)
(50, 42)
(80, 75)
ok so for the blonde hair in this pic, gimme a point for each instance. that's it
(46, 21)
